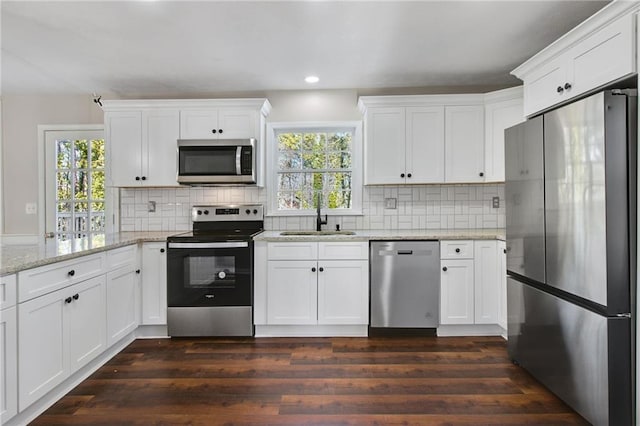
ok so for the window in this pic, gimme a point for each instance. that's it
(75, 183)
(315, 164)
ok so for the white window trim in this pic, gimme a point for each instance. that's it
(356, 165)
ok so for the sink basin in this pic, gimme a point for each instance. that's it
(320, 233)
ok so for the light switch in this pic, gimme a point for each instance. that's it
(495, 202)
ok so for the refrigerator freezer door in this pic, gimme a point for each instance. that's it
(524, 195)
(586, 205)
(582, 357)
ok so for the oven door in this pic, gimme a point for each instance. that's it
(209, 274)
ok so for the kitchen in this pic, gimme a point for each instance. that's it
(418, 207)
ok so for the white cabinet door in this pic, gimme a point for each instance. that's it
(425, 145)
(486, 282)
(343, 292)
(456, 291)
(292, 296)
(385, 146)
(8, 364)
(545, 86)
(464, 144)
(498, 117)
(159, 139)
(199, 124)
(123, 132)
(154, 283)
(122, 303)
(42, 346)
(238, 123)
(86, 322)
(502, 275)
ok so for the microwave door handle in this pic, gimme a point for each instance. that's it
(238, 157)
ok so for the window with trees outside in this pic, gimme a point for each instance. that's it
(317, 165)
(79, 182)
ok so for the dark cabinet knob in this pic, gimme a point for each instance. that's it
(481, 174)
(137, 177)
(144, 178)
(214, 131)
(504, 251)
(162, 250)
(313, 269)
(206, 212)
(220, 131)
(71, 273)
(401, 175)
(247, 211)
(68, 300)
(199, 212)
(137, 271)
(457, 250)
(255, 211)
(321, 269)
(567, 86)
(444, 268)
(409, 175)
(76, 296)
(560, 89)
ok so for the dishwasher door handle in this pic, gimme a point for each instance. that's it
(405, 252)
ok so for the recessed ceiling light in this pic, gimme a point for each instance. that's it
(311, 79)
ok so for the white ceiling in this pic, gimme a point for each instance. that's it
(184, 48)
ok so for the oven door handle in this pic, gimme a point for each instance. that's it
(234, 244)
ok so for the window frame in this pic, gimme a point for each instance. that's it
(316, 126)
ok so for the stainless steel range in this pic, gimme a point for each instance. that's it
(210, 272)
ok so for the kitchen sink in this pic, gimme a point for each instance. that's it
(320, 233)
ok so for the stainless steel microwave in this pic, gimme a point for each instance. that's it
(217, 161)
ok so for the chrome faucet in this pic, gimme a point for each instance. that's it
(319, 221)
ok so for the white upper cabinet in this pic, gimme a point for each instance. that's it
(219, 123)
(425, 144)
(597, 52)
(464, 144)
(385, 146)
(141, 147)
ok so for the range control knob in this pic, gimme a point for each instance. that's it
(206, 212)
(199, 212)
(255, 211)
(247, 211)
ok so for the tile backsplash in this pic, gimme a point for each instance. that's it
(416, 207)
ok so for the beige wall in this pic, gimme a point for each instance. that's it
(314, 105)
(21, 116)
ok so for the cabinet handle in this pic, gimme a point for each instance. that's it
(504, 251)
(137, 177)
(76, 296)
(71, 273)
(321, 269)
(481, 174)
(313, 269)
(444, 268)
(457, 250)
(401, 175)
(213, 131)
(137, 271)
(220, 131)
(567, 86)
(409, 175)
(161, 250)
(68, 300)
(560, 89)
(144, 178)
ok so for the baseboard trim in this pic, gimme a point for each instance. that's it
(311, 331)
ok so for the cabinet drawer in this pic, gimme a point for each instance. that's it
(293, 250)
(8, 290)
(343, 250)
(462, 249)
(123, 256)
(38, 281)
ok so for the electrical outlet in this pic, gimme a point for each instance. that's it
(495, 202)
(151, 206)
(31, 208)
(390, 203)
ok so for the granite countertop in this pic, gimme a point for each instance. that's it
(18, 257)
(398, 234)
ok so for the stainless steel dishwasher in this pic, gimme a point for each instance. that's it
(405, 284)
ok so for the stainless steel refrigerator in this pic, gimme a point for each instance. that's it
(570, 197)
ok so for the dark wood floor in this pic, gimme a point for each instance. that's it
(317, 381)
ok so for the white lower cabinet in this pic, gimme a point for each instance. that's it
(57, 334)
(502, 274)
(471, 284)
(122, 303)
(8, 364)
(154, 284)
(320, 283)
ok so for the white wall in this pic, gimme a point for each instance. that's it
(314, 105)
(21, 115)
